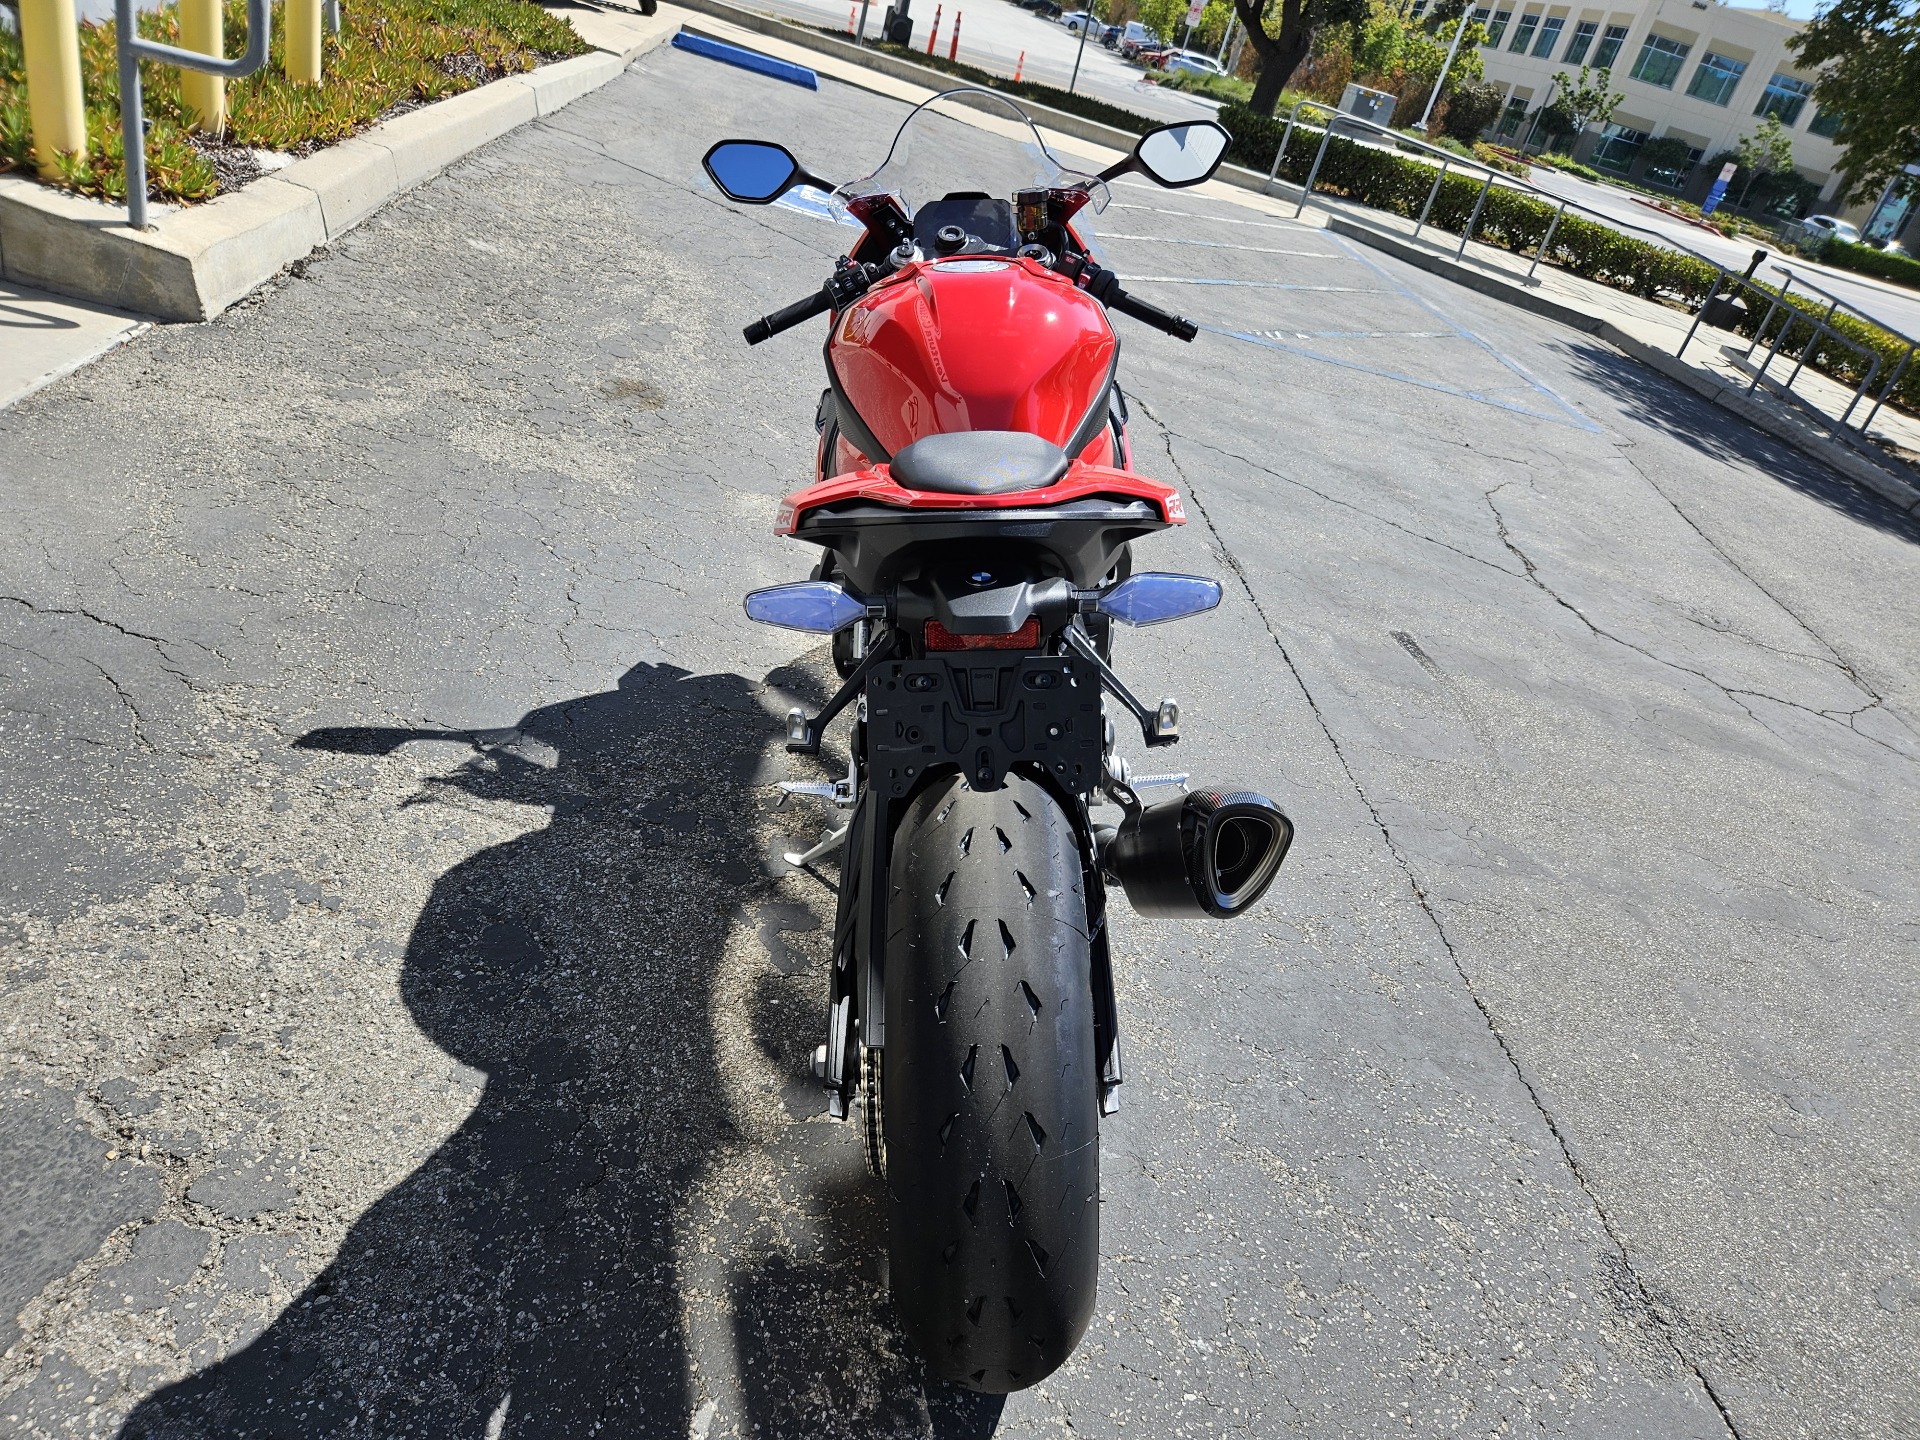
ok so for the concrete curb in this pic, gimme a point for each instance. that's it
(198, 260)
(1781, 421)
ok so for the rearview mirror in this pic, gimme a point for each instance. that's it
(1177, 156)
(754, 172)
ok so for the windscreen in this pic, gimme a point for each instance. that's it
(935, 154)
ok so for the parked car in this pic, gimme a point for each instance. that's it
(1134, 37)
(1110, 37)
(1045, 9)
(1076, 20)
(1193, 63)
(1829, 227)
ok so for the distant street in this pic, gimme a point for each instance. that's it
(994, 33)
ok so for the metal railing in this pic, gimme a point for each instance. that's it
(1820, 330)
(133, 119)
(1822, 326)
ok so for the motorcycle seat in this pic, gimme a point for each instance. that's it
(979, 462)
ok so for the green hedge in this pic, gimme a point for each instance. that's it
(1514, 220)
(1900, 269)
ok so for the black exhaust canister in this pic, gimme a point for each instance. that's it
(1211, 853)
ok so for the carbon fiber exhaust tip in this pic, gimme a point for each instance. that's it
(1209, 854)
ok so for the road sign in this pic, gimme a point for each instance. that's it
(1719, 189)
(1193, 12)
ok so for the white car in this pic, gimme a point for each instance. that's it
(1191, 61)
(1827, 227)
(1077, 20)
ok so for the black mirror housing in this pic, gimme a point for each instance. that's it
(1176, 156)
(755, 172)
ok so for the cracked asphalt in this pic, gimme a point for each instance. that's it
(406, 1013)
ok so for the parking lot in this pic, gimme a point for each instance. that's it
(408, 1012)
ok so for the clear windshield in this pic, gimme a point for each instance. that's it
(995, 150)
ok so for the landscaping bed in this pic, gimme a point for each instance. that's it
(391, 56)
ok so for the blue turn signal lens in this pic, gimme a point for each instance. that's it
(1153, 596)
(817, 605)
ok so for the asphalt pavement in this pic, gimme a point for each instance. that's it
(406, 1014)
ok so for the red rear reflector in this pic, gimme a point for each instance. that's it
(1027, 637)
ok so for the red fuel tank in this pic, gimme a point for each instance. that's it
(975, 343)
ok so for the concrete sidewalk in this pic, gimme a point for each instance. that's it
(43, 337)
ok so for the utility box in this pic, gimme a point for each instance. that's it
(897, 27)
(1373, 106)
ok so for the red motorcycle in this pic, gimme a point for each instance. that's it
(975, 506)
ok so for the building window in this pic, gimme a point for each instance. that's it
(1511, 117)
(1674, 175)
(1785, 97)
(1715, 77)
(1825, 122)
(1549, 36)
(1583, 34)
(1610, 44)
(1523, 32)
(1419, 9)
(1659, 62)
(1618, 146)
(1496, 27)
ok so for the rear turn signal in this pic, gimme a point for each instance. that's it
(1027, 637)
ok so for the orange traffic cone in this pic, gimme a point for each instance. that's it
(1018, 65)
(934, 34)
(853, 12)
(953, 50)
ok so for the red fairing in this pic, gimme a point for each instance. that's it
(973, 343)
(1080, 481)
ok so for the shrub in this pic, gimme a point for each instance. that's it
(1901, 269)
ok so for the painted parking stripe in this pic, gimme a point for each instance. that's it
(1256, 284)
(1224, 245)
(1575, 420)
(1574, 416)
(1358, 334)
(1212, 219)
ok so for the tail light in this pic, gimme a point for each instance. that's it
(1027, 637)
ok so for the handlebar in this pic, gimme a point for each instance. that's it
(798, 313)
(1104, 286)
(1175, 325)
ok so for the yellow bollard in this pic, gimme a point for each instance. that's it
(51, 39)
(200, 29)
(303, 41)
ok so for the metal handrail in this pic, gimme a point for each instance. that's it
(1449, 159)
(133, 120)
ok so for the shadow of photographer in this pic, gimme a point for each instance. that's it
(530, 1277)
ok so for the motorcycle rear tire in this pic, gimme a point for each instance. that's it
(992, 1108)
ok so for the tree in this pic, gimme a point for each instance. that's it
(1472, 109)
(1871, 53)
(1588, 101)
(1768, 151)
(1281, 32)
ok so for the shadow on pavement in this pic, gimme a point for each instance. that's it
(1670, 407)
(527, 1279)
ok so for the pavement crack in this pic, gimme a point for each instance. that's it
(1737, 694)
(1640, 1292)
(1331, 499)
(1832, 652)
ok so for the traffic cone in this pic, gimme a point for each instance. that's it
(853, 13)
(1018, 65)
(934, 34)
(953, 50)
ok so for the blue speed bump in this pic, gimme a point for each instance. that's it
(746, 59)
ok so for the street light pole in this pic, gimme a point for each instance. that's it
(1086, 23)
(1459, 29)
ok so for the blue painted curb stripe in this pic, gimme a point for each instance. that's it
(746, 59)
